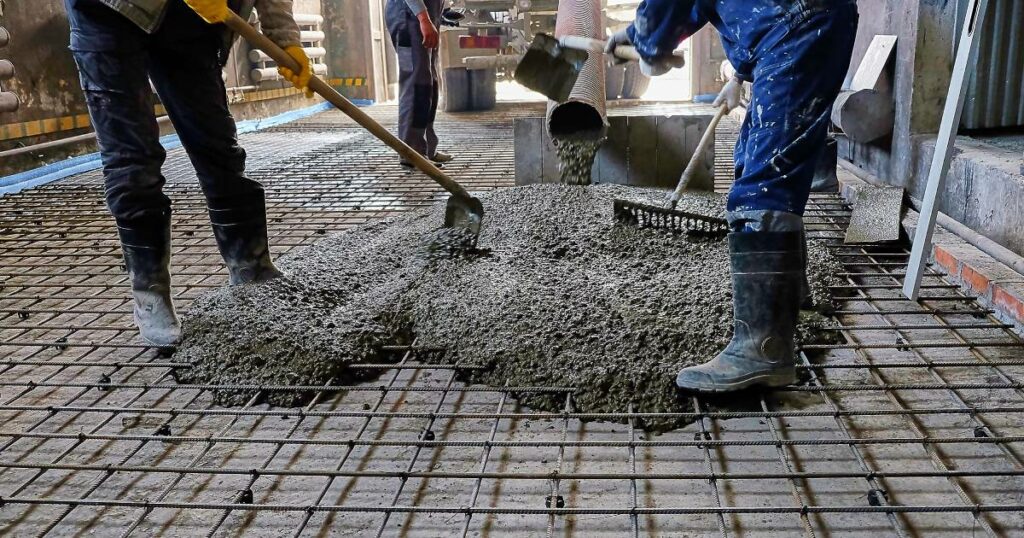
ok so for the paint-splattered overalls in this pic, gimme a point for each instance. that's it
(796, 53)
(418, 81)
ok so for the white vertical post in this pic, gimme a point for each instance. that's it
(966, 52)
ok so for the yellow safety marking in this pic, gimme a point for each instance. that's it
(14, 131)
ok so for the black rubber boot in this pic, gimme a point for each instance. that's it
(766, 279)
(806, 298)
(146, 245)
(241, 234)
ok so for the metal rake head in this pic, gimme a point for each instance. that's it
(651, 216)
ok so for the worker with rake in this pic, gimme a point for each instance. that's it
(796, 54)
(120, 47)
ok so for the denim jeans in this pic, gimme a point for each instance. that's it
(116, 63)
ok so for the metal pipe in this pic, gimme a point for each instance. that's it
(492, 62)
(61, 142)
(6, 69)
(256, 55)
(266, 74)
(582, 116)
(304, 19)
(9, 102)
(311, 35)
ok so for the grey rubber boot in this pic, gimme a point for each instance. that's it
(147, 257)
(241, 234)
(766, 281)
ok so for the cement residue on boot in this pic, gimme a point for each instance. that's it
(565, 298)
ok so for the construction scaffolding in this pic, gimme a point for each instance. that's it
(911, 427)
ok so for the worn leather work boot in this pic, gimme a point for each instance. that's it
(147, 256)
(441, 157)
(766, 280)
(241, 234)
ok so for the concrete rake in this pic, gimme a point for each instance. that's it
(667, 216)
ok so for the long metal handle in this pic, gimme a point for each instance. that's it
(316, 84)
(698, 157)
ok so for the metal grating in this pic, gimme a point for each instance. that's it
(911, 428)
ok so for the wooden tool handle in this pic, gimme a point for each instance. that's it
(698, 157)
(622, 52)
(316, 84)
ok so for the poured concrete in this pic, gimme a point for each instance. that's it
(649, 150)
(876, 216)
(564, 298)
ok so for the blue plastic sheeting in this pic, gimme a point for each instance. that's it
(87, 163)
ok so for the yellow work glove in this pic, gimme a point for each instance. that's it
(212, 11)
(301, 79)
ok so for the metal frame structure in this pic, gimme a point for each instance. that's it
(911, 427)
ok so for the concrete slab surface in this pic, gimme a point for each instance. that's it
(912, 427)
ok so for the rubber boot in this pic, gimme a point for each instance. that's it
(766, 282)
(241, 234)
(147, 256)
(806, 298)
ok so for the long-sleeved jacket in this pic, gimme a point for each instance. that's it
(661, 25)
(276, 18)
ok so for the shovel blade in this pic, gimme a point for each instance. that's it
(464, 214)
(549, 68)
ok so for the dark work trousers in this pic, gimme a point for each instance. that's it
(418, 81)
(116, 62)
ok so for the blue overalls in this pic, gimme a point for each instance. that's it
(796, 53)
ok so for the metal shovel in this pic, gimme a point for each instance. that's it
(551, 66)
(462, 210)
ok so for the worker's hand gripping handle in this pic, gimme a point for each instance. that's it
(697, 158)
(262, 42)
(622, 52)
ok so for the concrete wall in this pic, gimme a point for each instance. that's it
(985, 187)
(645, 151)
(357, 45)
(46, 81)
(920, 78)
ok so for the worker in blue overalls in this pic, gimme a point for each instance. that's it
(414, 29)
(120, 47)
(796, 54)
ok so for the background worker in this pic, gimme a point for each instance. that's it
(413, 26)
(119, 47)
(796, 55)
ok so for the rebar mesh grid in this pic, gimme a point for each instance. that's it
(910, 428)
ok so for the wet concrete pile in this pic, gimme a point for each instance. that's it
(565, 297)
